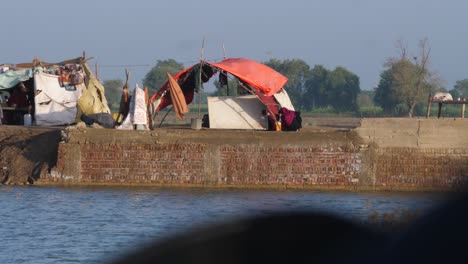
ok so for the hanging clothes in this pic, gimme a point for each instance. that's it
(291, 120)
(223, 80)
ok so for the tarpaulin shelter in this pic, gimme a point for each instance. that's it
(59, 92)
(260, 80)
(137, 117)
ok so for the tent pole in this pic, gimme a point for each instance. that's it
(202, 55)
(227, 83)
(168, 111)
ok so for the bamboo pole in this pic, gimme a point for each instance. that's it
(202, 58)
(463, 111)
(96, 70)
(429, 102)
(227, 82)
(440, 110)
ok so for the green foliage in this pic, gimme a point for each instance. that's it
(384, 95)
(338, 88)
(366, 99)
(461, 87)
(318, 87)
(343, 89)
(315, 94)
(447, 111)
(371, 111)
(327, 111)
(156, 77)
(113, 91)
(398, 92)
(297, 71)
(223, 90)
(406, 82)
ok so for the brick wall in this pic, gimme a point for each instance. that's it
(204, 164)
(421, 168)
(376, 156)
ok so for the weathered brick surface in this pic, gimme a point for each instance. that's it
(289, 165)
(433, 168)
(242, 158)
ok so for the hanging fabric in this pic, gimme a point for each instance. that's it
(223, 80)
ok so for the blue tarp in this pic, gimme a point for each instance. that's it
(11, 78)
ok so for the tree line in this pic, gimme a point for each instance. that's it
(403, 88)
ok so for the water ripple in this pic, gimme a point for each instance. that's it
(87, 225)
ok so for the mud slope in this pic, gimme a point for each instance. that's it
(25, 152)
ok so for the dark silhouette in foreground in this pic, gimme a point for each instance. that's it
(441, 236)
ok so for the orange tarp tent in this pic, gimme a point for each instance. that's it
(255, 74)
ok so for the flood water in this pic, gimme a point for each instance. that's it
(92, 225)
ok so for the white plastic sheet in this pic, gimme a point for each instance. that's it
(54, 105)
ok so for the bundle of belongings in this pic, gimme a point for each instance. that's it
(56, 93)
(69, 75)
(105, 120)
(261, 96)
(290, 120)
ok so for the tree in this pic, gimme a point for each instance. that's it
(316, 88)
(156, 77)
(343, 89)
(113, 91)
(462, 88)
(384, 95)
(366, 98)
(338, 88)
(297, 72)
(222, 90)
(406, 81)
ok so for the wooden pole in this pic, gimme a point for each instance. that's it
(440, 110)
(96, 70)
(429, 102)
(227, 81)
(202, 58)
(463, 111)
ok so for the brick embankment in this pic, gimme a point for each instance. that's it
(417, 153)
(380, 154)
(26, 153)
(208, 158)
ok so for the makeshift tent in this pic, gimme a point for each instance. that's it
(138, 114)
(53, 104)
(61, 92)
(258, 79)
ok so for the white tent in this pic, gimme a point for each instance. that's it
(55, 105)
(138, 111)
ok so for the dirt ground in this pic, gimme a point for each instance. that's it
(26, 152)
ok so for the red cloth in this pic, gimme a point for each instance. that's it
(287, 116)
(18, 98)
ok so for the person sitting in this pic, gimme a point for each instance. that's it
(19, 100)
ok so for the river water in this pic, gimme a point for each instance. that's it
(91, 225)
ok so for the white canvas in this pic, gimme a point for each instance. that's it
(138, 110)
(283, 99)
(243, 112)
(54, 105)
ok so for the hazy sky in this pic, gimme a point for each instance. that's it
(356, 34)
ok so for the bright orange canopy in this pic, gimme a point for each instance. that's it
(265, 81)
(253, 73)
